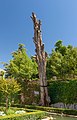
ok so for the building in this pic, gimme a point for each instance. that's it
(2, 73)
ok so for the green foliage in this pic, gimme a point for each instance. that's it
(55, 91)
(54, 64)
(62, 63)
(9, 86)
(60, 48)
(53, 110)
(63, 91)
(30, 97)
(10, 111)
(27, 116)
(21, 66)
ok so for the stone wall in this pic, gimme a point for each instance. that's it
(62, 105)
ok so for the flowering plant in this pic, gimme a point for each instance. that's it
(2, 113)
(20, 112)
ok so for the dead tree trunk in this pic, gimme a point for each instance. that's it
(41, 61)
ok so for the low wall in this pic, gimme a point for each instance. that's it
(62, 105)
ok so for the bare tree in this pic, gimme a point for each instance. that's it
(41, 56)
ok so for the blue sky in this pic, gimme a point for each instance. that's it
(59, 22)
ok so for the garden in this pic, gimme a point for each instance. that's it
(30, 86)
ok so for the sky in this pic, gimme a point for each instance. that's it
(59, 22)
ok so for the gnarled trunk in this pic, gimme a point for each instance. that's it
(41, 61)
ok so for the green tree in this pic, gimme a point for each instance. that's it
(62, 62)
(54, 64)
(22, 68)
(9, 87)
(59, 47)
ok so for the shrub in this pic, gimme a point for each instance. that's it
(63, 91)
(10, 111)
(53, 110)
(27, 116)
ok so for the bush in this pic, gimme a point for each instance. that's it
(27, 116)
(10, 111)
(18, 105)
(53, 110)
(63, 91)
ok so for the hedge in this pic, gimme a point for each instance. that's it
(63, 91)
(27, 116)
(53, 110)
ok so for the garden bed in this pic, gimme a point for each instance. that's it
(29, 114)
(53, 110)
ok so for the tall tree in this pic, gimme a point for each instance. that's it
(62, 62)
(22, 68)
(41, 60)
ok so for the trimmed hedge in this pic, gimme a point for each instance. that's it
(53, 110)
(27, 116)
(18, 105)
(63, 91)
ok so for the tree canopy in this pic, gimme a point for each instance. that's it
(21, 66)
(62, 62)
(8, 88)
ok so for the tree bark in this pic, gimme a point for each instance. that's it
(41, 61)
(7, 101)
